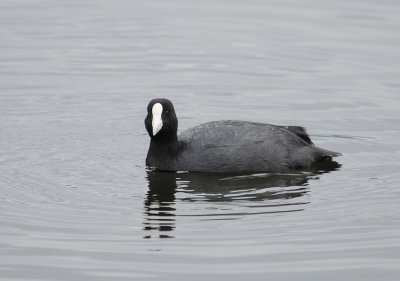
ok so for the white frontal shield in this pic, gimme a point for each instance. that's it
(157, 122)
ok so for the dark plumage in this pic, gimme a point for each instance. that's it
(226, 146)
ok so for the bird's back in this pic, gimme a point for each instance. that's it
(232, 146)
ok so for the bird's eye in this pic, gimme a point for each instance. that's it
(166, 113)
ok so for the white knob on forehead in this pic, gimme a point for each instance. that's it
(157, 122)
(157, 109)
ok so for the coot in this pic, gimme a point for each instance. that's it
(226, 146)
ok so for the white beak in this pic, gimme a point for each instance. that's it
(157, 122)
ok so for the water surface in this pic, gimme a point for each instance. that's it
(76, 202)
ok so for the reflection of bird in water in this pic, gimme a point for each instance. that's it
(266, 186)
(272, 192)
(160, 204)
(255, 187)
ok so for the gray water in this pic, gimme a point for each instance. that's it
(76, 201)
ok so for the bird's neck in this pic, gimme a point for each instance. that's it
(169, 146)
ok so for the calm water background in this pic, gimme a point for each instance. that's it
(76, 202)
